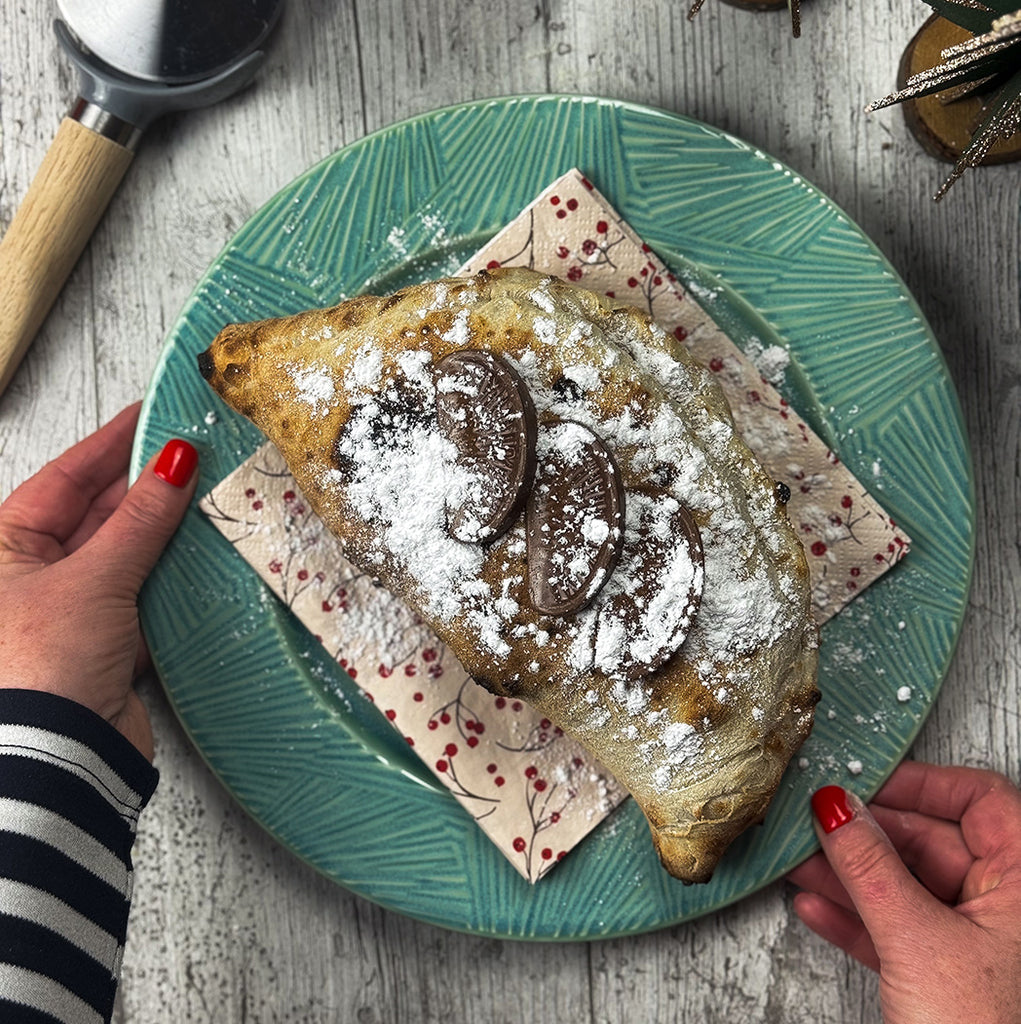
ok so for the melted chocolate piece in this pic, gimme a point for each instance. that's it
(395, 413)
(574, 520)
(565, 388)
(484, 408)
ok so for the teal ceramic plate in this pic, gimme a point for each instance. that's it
(290, 736)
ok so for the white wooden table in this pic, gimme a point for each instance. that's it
(227, 926)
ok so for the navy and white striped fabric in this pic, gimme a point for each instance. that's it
(71, 789)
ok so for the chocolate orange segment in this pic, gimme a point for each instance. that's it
(484, 408)
(574, 520)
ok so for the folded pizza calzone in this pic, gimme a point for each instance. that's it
(557, 488)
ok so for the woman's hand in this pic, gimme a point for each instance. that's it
(926, 890)
(75, 547)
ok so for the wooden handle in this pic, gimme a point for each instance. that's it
(71, 189)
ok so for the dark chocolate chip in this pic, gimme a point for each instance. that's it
(663, 474)
(396, 411)
(783, 492)
(574, 519)
(385, 422)
(483, 407)
(343, 463)
(567, 389)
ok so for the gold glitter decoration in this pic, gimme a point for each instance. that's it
(987, 65)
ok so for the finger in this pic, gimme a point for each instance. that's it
(991, 826)
(932, 848)
(98, 512)
(942, 791)
(836, 924)
(987, 804)
(816, 875)
(882, 889)
(54, 501)
(126, 547)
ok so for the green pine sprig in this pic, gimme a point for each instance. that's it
(989, 63)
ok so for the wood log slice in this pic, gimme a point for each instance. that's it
(944, 129)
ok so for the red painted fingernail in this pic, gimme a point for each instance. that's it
(830, 807)
(177, 462)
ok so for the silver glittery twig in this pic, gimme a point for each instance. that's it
(1001, 126)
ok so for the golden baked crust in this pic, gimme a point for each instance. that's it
(348, 395)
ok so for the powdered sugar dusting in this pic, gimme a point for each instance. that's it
(770, 360)
(368, 365)
(314, 386)
(458, 334)
(677, 747)
(405, 472)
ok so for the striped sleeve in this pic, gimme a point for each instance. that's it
(71, 790)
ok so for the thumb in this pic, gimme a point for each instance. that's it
(891, 903)
(132, 539)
